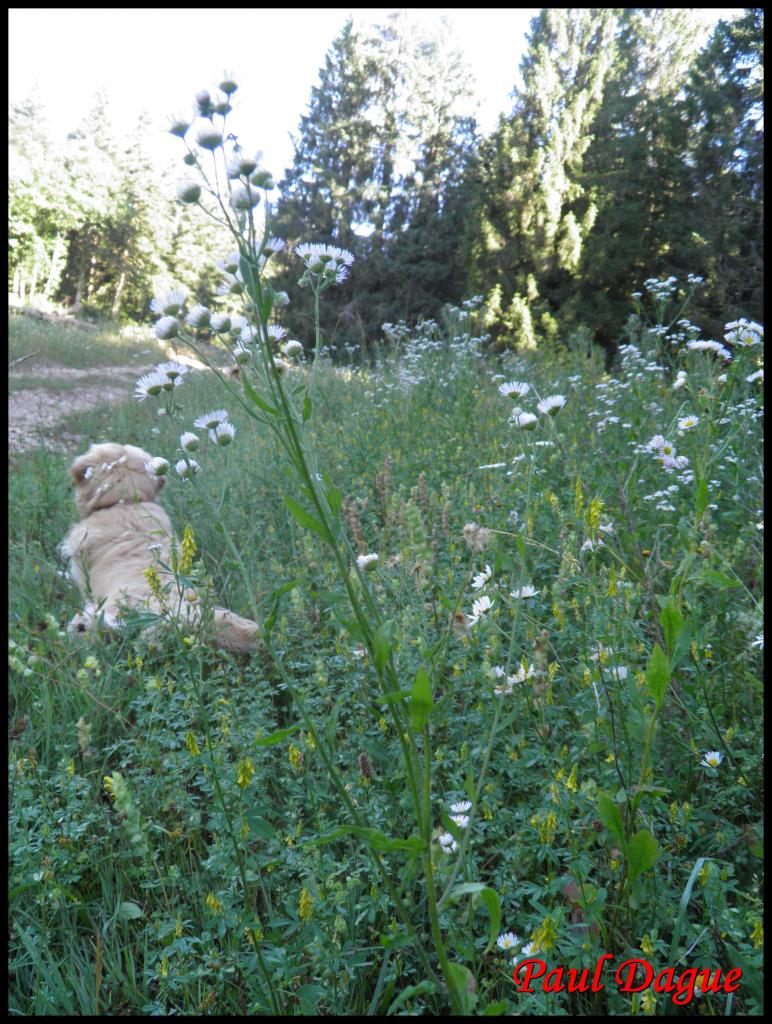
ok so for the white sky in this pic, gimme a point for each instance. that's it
(157, 59)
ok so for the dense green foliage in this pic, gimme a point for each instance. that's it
(174, 834)
(629, 152)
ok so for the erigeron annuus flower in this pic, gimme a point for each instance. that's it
(461, 807)
(189, 191)
(745, 333)
(150, 385)
(482, 578)
(292, 348)
(462, 820)
(169, 303)
(447, 843)
(680, 380)
(172, 369)
(198, 317)
(228, 83)
(222, 434)
(189, 442)
(209, 137)
(276, 333)
(248, 334)
(514, 389)
(274, 245)
(710, 346)
(157, 467)
(220, 323)
(480, 607)
(241, 165)
(316, 256)
(688, 422)
(367, 563)
(232, 285)
(507, 941)
(167, 327)
(525, 591)
(711, 759)
(244, 197)
(241, 355)
(179, 126)
(551, 405)
(525, 420)
(187, 468)
(758, 375)
(210, 420)
(229, 264)
(759, 642)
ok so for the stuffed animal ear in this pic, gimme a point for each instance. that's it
(79, 467)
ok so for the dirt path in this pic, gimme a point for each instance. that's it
(33, 412)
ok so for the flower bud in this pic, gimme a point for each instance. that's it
(228, 86)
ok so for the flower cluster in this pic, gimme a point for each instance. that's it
(325, 264)
(165, 377)
(665, 452)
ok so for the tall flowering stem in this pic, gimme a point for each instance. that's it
(285, 406)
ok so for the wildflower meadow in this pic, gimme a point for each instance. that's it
(504, 719)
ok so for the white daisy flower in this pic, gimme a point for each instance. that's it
(229, 264)
(514, 388)
(711, 759)
(244, 197)
(209, 138)
(688, 423)
(507, 941)
(526, 420)
(157, 467)
(173, 369)
(220, 323)
(461, 807)
(292, 348)
(710, 346)
(179, 126)
(447, 843)
(210, 420)
(241, 355)
(526, 952)
(482, 578)
(481, 606)
(187, 468)
(462, 820)
(167, 327)
(242, 165)
(316, 256)
(551, 405)
(758, 375)
(759, 642)
(522, 592)
(198, 317)
(274, 245)
(150, 385)
(276, 333)
(248, 334)
(680, 380)
(367, 563)
(222, 434)
(744, 332)
(169, 303)
(189, 442)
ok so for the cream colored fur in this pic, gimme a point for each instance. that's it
(122, 531)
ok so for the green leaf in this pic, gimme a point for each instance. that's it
(333, 495)
(491, 900)
(420, 701)
(305, 519)
(423, 987)
(309, 997)
(250, 392)
(611, 817)
(277, 737)
(465, 986)
(657, 674)
(672, 622)
(393, 698)
(641, 852)
(129, 911)
(306, 409)
(716, 579)
(383, 644)
(373, 838)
